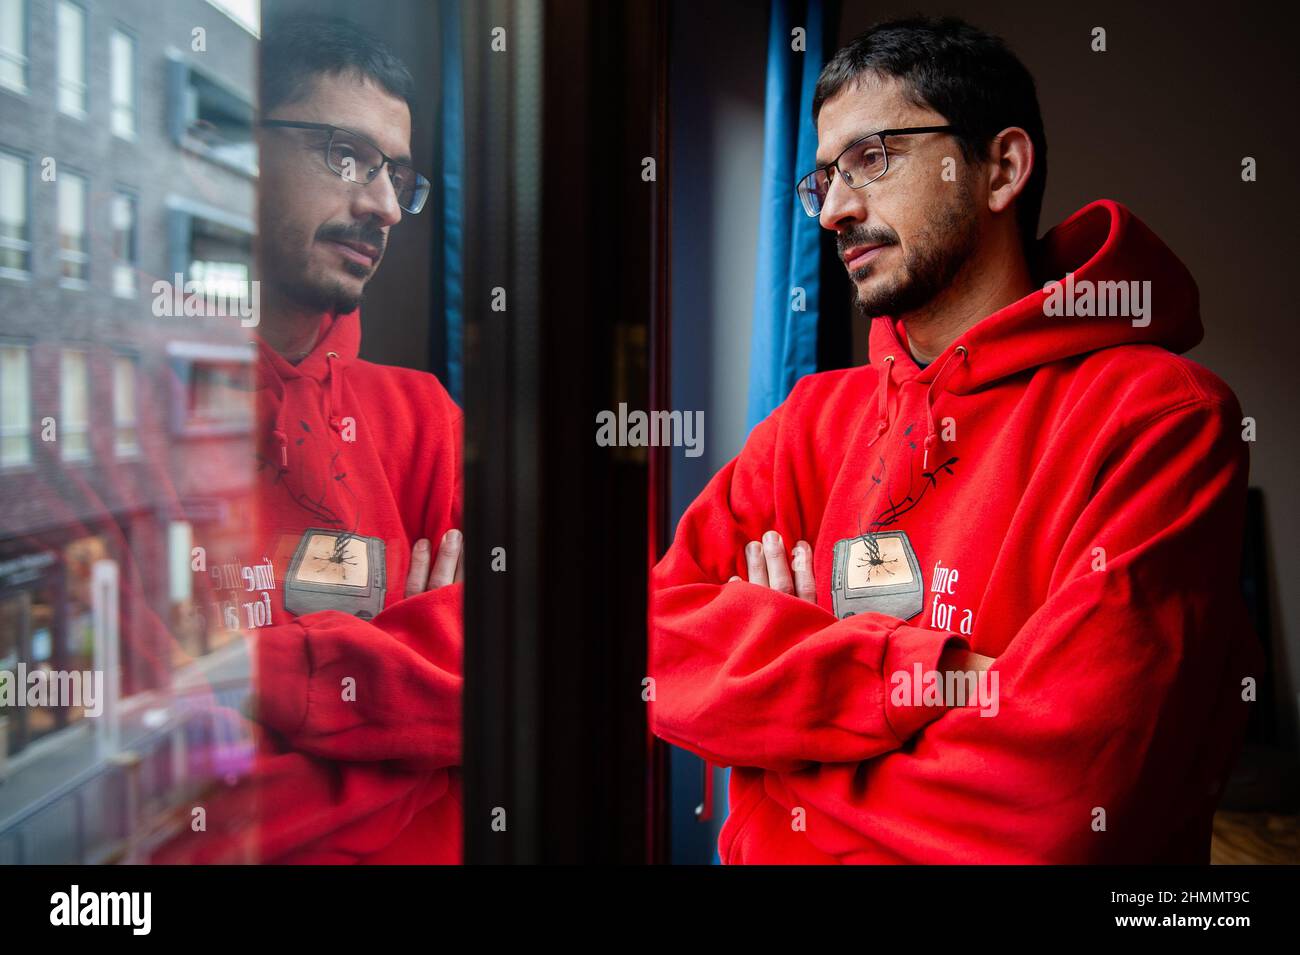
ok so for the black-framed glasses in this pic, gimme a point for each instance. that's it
(356, 159)
(861, 162)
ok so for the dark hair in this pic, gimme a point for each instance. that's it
(297, 49)
(967, 75)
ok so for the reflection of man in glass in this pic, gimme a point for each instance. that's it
(356, 633)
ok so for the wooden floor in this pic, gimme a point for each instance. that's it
(1255, 838)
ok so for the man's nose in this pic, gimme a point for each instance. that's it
(377, 199)
(843, 206)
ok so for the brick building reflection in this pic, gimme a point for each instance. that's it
(126, 157)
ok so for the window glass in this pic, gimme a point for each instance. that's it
(72, 58)
(121, 50)
(13, 45)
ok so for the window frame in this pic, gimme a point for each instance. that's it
(133, 263)
(8, 467)
(181, 213)
(184, 355)
(84, 109)
(133, 42)
(24, 245)
(24, 56)
(132, 451)
(64, 426)
(179, 74)
(63, 255)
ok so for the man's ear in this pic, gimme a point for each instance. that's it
(1011, 160)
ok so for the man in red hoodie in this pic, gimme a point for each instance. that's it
(975, 601)
(354, 615)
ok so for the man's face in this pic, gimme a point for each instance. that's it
(904, 237)
(323, 236)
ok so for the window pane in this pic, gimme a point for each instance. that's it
(72, 225)
(14, 244)
(13, 44)
(13, 197)
(72, 59)
(15, 406)
(124, 407)
(74, 404)
(122, 80)
(124, 245)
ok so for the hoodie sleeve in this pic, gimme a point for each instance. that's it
(730, 660)
(357, 726)
(288, 807)
(1120, 701)
(342, 688)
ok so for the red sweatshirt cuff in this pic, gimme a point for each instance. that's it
(283, 675)
(907, 647)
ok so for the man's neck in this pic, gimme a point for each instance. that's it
(292, 331)
(984, 285)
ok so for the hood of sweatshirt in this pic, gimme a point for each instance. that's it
(301, 421)
(1107, 280)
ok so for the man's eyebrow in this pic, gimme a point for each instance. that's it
(856, 139)
(404, 158)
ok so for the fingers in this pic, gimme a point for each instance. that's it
(755, 563)
(778, 565)
(767, 565)
(444, 565)
(804, 586)
(417, 579)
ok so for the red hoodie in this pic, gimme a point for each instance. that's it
(1059, 491)
(356, 690)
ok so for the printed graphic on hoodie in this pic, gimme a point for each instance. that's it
(333, 571)
(877, 571)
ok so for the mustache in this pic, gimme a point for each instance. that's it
(864, 236)
(366, 234)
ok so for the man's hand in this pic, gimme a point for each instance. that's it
(447, 566)
(767, 565)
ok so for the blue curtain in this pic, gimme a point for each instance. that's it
(783, 347)
(451, 146)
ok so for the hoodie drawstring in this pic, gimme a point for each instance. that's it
(882, 424)
(336, 389)
(931, 436)
(280, 431)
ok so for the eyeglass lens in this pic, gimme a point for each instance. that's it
(358, 161)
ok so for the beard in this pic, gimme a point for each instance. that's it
(935, 256)
(292, 272)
